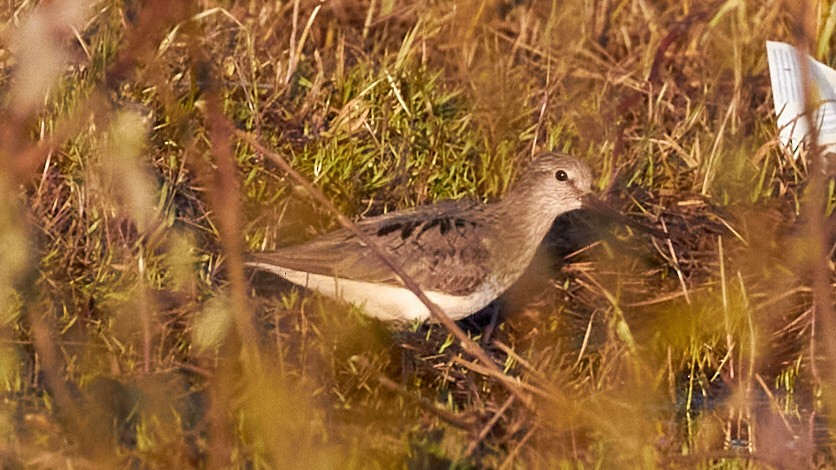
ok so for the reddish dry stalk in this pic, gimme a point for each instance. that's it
(224, 199)
(19, 159)
(823, 324)
(226, 203)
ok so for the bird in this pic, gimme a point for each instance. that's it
(462, 253)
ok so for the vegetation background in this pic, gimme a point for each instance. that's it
(130, 334)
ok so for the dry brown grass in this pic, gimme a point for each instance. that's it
(132, 335)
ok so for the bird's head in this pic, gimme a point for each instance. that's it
(556, 182)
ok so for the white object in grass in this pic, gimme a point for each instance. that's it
(785, 74)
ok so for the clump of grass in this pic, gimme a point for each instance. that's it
(129, 336)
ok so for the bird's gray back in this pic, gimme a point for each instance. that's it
(441, 246)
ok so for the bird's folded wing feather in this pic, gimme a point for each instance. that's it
(440, 246)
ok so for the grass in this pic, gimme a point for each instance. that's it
(130, 335)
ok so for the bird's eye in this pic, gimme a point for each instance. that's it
(561, 175)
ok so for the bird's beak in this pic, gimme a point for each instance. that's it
(590, 201)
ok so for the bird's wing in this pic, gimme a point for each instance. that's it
(440, 246)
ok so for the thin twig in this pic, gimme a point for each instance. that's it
(676, 266)
(536, 374)
(516, 450)
(459, 420)
(773, 403)
(488, 426)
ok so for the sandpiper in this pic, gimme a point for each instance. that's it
(462, 253)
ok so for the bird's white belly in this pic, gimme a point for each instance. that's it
(389, 303)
